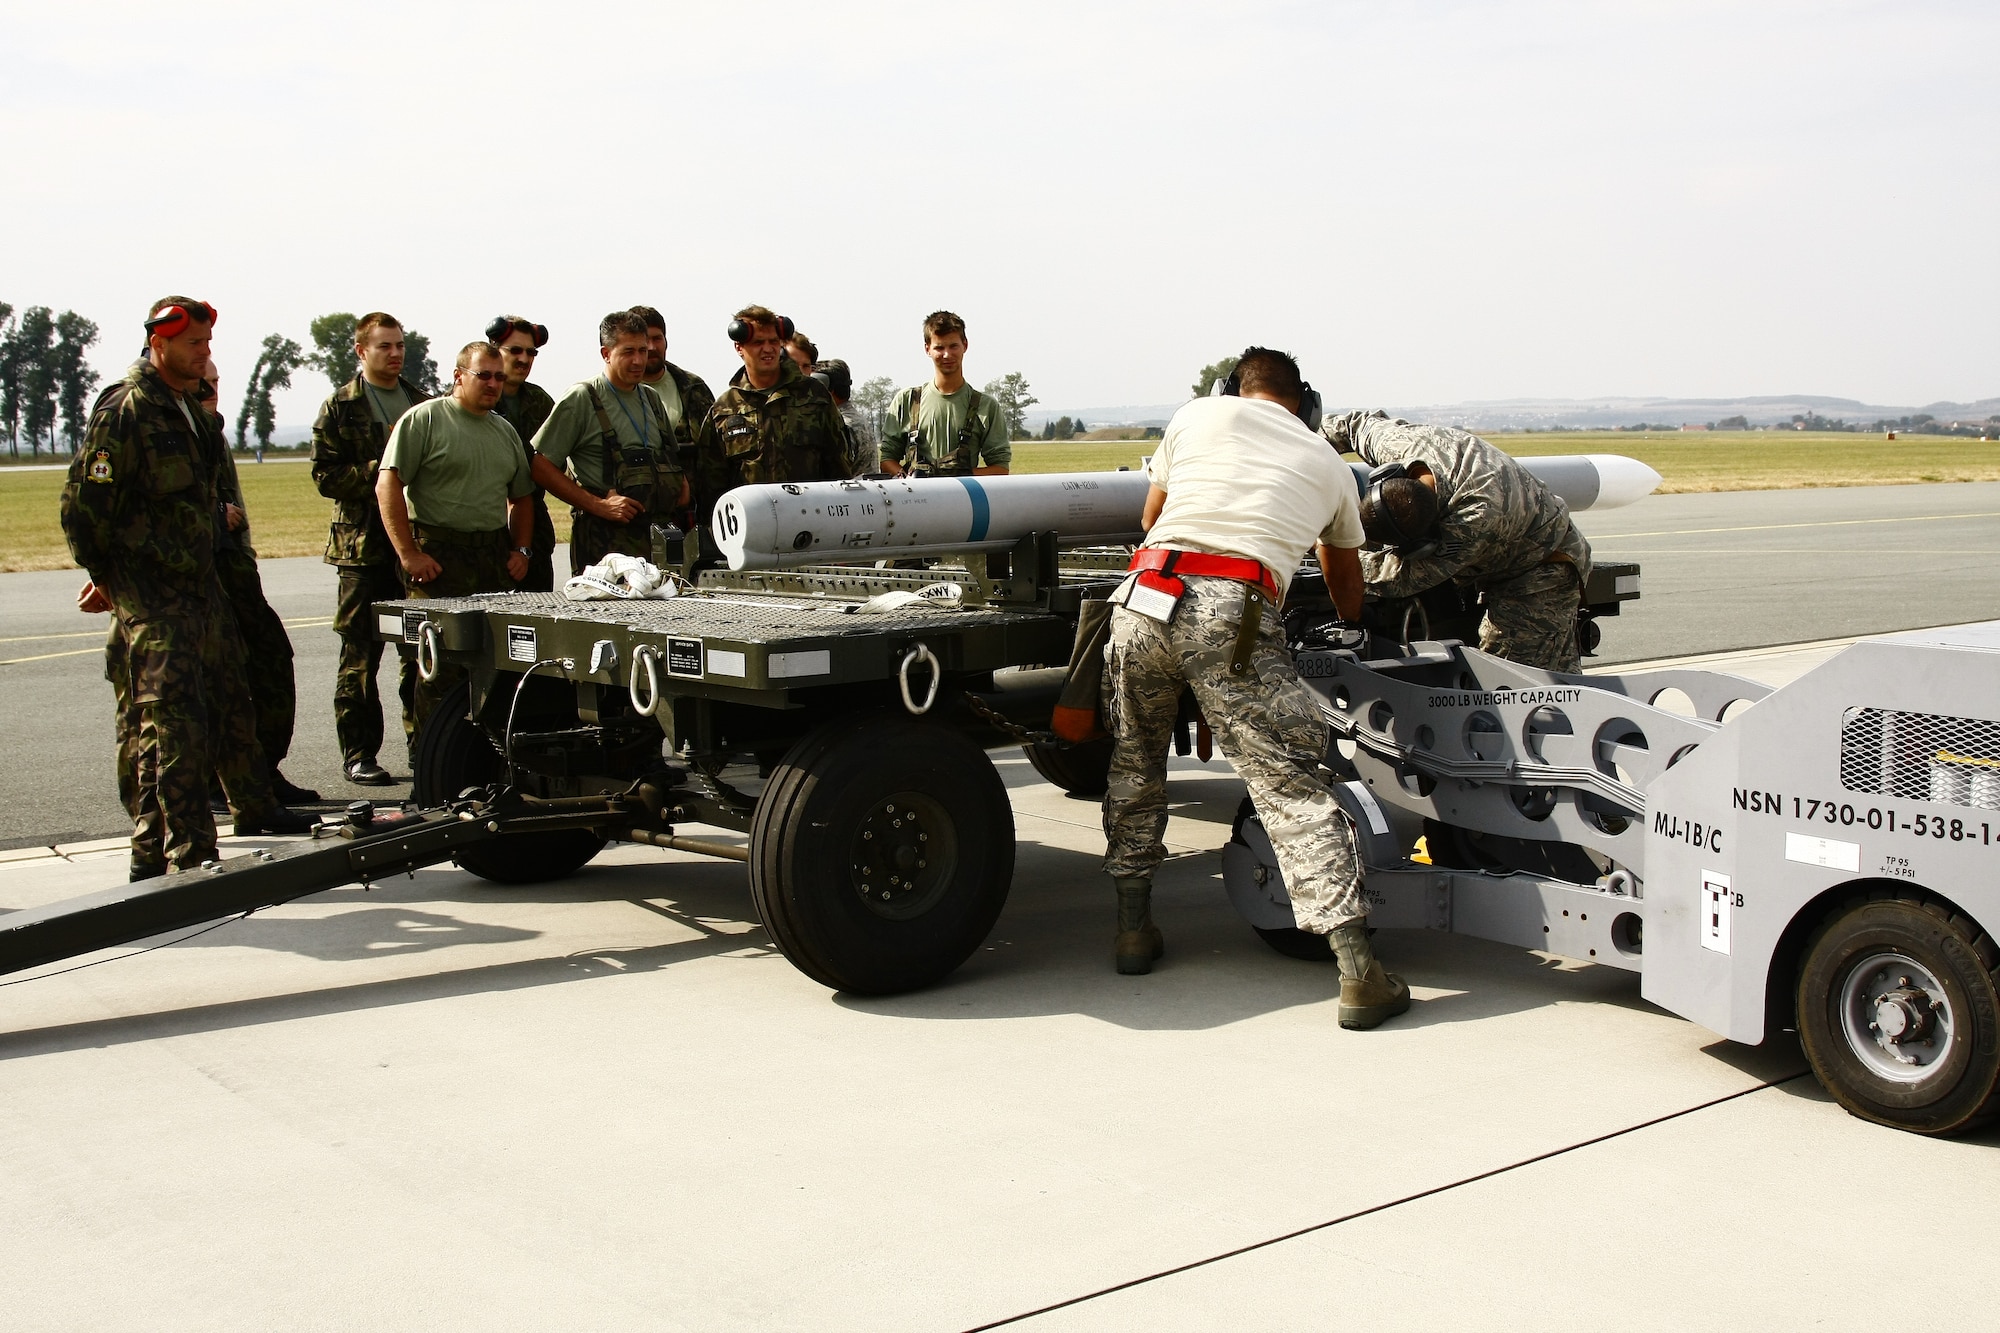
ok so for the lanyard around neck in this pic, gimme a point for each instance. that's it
(375, 397)
(643, 432)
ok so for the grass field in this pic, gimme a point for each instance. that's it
(288, 516)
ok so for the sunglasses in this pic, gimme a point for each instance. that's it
(484, 375)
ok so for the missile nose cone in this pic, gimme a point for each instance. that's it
(743, 531)
(1622, 480)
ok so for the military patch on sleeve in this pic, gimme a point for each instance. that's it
(100, 466)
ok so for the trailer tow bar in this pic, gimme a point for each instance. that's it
(366, 846)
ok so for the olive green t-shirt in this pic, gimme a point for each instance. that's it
(385, 405)
(573, 436)
(670, 398)
(940, 416)
(458, 469)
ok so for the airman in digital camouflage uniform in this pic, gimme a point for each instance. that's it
(612, 434)
(347, 442)
(1240, 489)
(865, 441)
(945, 428)
(525, 406)
(140, 511)
(1499, 532)
(773, 423)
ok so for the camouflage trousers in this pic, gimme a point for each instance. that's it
(267, 655)
(1267, 724)
(357, 701)
(183, 714)
(468, 562)
(542, 564)
(1532, 619)
(592, 538)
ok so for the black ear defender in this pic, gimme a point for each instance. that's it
(1379, 519)
(739, 330)
(503, 327)
(1311, 412)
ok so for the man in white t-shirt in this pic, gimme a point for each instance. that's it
(1240, 490)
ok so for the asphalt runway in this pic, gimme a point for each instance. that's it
(1721, 572)
(1748, 569)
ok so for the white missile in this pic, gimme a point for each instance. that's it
(817, 522)
(830, 522)
(1583, 481)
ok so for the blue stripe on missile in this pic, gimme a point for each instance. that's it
(982, 513)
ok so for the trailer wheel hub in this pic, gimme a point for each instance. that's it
(1896, 1017)
(903, 855)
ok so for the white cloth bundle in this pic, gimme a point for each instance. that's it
(621, 578)
(943, 596)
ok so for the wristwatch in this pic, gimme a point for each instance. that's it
(524, 550)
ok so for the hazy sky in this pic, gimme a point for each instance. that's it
(1427, 202)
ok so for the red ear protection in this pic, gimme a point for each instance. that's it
(172, 321)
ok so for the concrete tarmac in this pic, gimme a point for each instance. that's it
(608, 1103)
(1721, 572)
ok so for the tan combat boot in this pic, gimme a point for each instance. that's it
(1369, 995)
(1139, 940)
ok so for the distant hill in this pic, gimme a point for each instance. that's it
(1601, 413)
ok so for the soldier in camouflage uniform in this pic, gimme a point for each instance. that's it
(773, 423)
(1240, 489)
(347, 442)
(611, 433)
(140, 512)
(267, 648)
(1501, 533)
(685, 394)
(525, 406)
(945, 428)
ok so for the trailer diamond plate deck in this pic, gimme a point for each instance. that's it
(724, 639)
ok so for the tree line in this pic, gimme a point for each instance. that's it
(333, 355)
(44, 379)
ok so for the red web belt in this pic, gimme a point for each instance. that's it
(1167, 563)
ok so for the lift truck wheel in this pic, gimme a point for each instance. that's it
(1287, 940)
(1080, 770)
(1899, 1014)
(881, 853)
(454, 753)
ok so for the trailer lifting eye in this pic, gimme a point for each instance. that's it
(427, 651)
(919, 652)
(645, 664)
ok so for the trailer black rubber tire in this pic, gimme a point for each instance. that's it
(454, 753)
(814, 850)
(1966, 963)
(1080, 770)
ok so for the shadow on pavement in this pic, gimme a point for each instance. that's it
(692, 907)
(371, 932)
